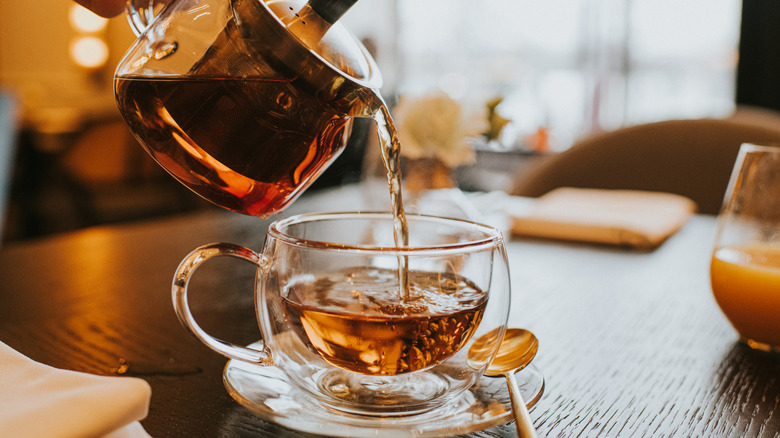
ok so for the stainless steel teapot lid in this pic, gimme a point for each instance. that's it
(264, 20)
(262, 24)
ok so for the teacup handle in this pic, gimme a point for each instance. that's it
(181, 281)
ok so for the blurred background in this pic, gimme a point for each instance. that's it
(562, 69)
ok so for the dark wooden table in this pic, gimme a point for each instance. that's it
(632, 343)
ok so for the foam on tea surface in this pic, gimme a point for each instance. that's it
(355, 320)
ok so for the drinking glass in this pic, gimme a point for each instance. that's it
(745, 266)
(364, 326)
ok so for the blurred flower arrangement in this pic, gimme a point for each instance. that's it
(434, 125)
(436, 133)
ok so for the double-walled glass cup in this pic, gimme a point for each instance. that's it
(338, 321)
(745, 268)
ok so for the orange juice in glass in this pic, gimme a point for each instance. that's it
(745, 265)
(746, 285)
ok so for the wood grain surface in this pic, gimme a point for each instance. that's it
(632, 344)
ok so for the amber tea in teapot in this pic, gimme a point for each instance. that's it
(224, 139)
(235, 107)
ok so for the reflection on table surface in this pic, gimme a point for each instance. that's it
(631, 343)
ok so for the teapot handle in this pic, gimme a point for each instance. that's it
(141, 13)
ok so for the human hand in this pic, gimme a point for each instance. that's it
(104, 8)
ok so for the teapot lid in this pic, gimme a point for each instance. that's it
(338, 48)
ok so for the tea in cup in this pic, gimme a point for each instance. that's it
(362, 325)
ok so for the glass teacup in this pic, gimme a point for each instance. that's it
(333, 317)
(745, 269)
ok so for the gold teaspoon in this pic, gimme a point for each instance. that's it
(517, 350)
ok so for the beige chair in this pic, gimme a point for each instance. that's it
(693, 158)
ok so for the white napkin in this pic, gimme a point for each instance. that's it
(37, 401)
(634, 218)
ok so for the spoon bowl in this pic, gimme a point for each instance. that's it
(518, 348)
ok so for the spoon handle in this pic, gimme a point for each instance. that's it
(525, 427)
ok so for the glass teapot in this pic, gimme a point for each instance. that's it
(245, 102)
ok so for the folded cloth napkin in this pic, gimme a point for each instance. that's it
(633, 218)
(37, 401)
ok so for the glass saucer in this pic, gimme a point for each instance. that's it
(267, 392)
